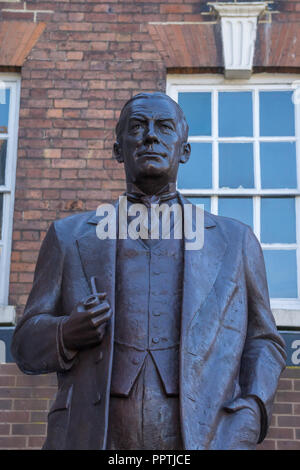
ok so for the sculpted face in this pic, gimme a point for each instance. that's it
(151, 144)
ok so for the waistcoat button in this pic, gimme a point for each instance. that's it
(155, 340)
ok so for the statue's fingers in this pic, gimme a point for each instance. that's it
(102, 307)
(102, 318)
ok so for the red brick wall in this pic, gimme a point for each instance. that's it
(91, 58)
(24, 404)
(284, 431)
(25, 401)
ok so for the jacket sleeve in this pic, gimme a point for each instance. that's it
(264, 354)
(37, 341)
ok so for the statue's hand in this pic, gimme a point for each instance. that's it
(86, 325)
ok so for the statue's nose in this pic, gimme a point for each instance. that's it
(150, 134)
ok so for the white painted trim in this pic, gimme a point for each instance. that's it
(241, 192)
(214, 83)
(189, 81)
(13, 82)
(238, 30)
(7, 315)
(238, 9)
(287, 317)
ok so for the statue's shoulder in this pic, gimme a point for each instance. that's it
(73, 226)
(232, 228)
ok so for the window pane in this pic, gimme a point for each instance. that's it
(201, 200)
(197, 172)
(281, 273)
(2, 160)
(1, 214)
(240, 208)
(278, 165)
(235, 114)
(278, 220)
(276, 113)
(236, 165)
(4, 110)
(197, 110)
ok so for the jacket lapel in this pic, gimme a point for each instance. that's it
(98, 258)
(201, 268)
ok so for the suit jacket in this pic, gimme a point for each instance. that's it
(229, 347)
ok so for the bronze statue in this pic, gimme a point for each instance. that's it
(155, 346)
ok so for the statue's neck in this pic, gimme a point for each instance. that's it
(151, 189)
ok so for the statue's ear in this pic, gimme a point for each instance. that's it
(186, 152)
(117, 151)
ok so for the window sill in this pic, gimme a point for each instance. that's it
(7, 315)
(287, 317)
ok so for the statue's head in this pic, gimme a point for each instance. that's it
(152, 135)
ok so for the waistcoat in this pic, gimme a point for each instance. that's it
(148, 312)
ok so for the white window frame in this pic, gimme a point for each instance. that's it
(286, 311)
(11, 81)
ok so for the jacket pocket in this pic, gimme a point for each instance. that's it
(58, 420)
(62, 400)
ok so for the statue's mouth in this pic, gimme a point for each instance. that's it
(150, 154)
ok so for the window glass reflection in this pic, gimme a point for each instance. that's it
(197, 110)
(197, 172)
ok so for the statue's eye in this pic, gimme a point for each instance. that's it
(166, 126)
(136, 126)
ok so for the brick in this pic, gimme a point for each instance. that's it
(7, 380)
(75, 55)
(282, 408)
(288, 445)
(52, 153)
(12, 442)
(280, 433)
(38, 416)
(5, 404)
(89, 134)
(176, 8)
(33, 429)
(285, 384)
(35, 442)
(291, 421)
(9, 369)
(291, 373)
(68, 163)
(70, 104)
(17, 16)
(4, 429)
(75, 27)
(296, 409)
(288, 397)
(14, 416)
(31, 404)
(296, 384)
(267, 444)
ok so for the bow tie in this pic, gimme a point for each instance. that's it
(134, 194)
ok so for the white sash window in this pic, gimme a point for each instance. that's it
(9, 117)
(245, 165)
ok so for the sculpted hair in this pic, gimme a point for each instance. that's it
(183, 126)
